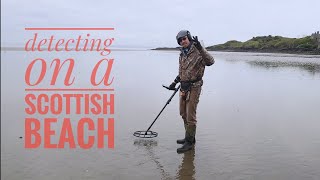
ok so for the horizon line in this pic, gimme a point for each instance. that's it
(68, 28)
(68, 89)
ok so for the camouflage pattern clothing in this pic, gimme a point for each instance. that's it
(191, 68)
(192, 64)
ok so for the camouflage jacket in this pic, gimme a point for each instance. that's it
(192, 65)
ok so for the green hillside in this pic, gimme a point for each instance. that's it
(271, 44)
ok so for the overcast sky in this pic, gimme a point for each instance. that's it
(151, 23)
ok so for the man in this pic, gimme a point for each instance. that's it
(192, 61)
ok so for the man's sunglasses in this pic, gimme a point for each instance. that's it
(182, 39)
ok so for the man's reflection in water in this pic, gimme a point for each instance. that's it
(149, 145)
(186, 169)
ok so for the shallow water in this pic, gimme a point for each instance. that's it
(258, 118)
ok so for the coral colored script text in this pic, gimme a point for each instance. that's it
(59, 112)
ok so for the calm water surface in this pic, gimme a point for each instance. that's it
(258, 118)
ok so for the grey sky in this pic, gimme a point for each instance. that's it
(151, 23)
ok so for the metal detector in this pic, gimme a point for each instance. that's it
(152, 134)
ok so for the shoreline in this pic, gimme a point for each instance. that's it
(276, 52)
(113, 49)
(252, 51)
(176, 49)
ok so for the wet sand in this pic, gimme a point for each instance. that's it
(258, 118)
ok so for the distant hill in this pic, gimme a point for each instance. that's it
(305, 45)
(166, 48)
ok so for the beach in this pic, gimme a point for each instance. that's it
(258, 118)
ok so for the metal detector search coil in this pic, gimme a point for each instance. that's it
(152, 134)
(145, 134)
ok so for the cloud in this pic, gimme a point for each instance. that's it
(150, 23)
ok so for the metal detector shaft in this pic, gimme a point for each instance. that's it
(175, 91)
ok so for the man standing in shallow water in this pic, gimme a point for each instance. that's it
(192, 61)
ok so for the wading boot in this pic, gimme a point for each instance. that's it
(182, 141)
(189, 140)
